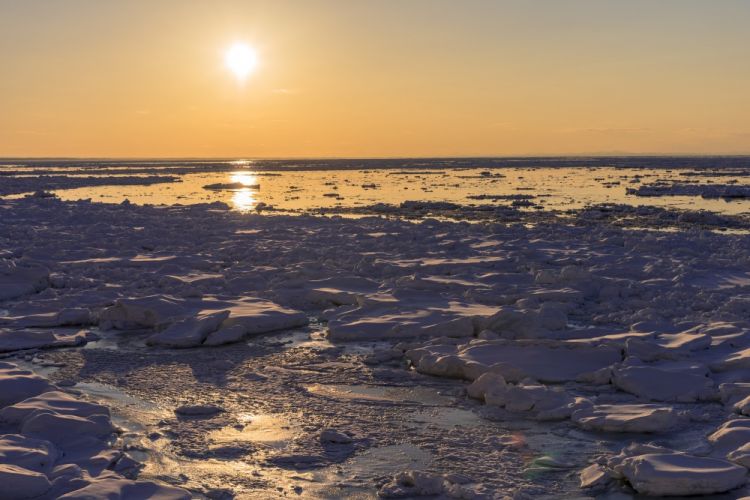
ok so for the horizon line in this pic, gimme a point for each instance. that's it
(395, 157)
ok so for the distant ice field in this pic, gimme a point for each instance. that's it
(717, 184)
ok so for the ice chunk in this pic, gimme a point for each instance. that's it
(32, 454)
(116, 487)
(252, 317)
(394, 324)
(743, 406)
(72, 316)
(734, 392)
(730, 435)
(340, 290)
(488, 381)
(197, 410)
(17, 281)
(146, 312)
(17, 483)
(548, 404)
(53, 402)
(226, 335)
(548, 362)
(678, 474)
(739, 360)
(594, 477)
(412, 484)
(65, 428)
(14, 340)
(189, 332)
(741, 455)
(334, 436)
(17, 385)
(627, 418)
(664, 383)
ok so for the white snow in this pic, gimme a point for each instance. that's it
(678, 474)
(190, 332)
(545, 361)
(59, 446)
(665, 382)
(17, 281)
(18, 483)
(13, 340)
(627, 418)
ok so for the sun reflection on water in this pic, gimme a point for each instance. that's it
(245, 178)
(245, 199)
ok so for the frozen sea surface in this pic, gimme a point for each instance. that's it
(202, 351)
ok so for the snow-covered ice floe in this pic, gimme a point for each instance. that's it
(56, 445)
(618, 336)
(191, 323)
(726, 191)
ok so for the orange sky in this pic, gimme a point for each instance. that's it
(380, 78)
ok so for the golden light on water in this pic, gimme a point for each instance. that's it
(245, 199)
(241, 59)
(245, 178)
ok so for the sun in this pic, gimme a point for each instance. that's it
(241, 59)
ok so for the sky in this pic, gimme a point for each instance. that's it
(385, 78)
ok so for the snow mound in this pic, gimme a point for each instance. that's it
(378, 322)
(33, 454)
(181, 323)
(627, 418)
(730, 435)
(683, 383)
(545, 361)
(253, 317)
(53, 401)
(17, 385)
(117, 487)
(679, 474)
(341, 290)
(59, 446)
(153, 311)
(17, 281)
(190, 332)
(17, 483)
(14, 340)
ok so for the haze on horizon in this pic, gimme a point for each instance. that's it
(354, 78)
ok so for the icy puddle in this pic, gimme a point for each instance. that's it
(274, 431)
(250, 477)
(129, 412)
(438, 410)
(417, 395)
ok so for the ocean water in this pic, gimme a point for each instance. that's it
(302, 185)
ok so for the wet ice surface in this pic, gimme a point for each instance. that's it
(524, 355)
(355, 186)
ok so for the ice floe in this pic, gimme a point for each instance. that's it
(678, 474)
(59, 446)
(628, 418)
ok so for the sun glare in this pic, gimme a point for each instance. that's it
(241, 59)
